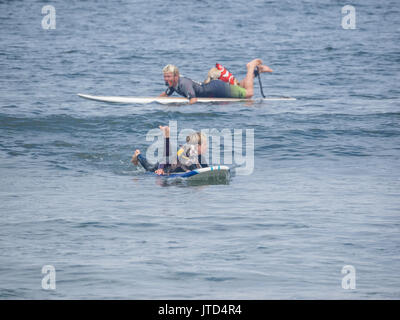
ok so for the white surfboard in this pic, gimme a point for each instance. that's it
(166, 100)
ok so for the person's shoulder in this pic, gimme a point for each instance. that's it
(192, 82)
(184, 79)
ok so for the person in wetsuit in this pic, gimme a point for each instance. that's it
(188, 156)
(215, 88)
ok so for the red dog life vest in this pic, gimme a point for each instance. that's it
(225, 74)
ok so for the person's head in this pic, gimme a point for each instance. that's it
(199, 139)
(171, 75)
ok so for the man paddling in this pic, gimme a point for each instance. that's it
(215, 88)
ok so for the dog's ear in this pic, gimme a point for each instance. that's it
(208, 79)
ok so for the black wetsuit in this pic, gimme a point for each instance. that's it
(214, 89)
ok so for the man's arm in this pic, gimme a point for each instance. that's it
(162, 166)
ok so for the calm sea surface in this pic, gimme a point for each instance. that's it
(324, 192)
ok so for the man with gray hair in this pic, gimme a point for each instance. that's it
(213, 89)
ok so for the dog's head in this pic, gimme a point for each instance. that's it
(213, 74)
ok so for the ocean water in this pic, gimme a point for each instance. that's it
(324, 192)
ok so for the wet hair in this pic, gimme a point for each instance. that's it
(196, 138)
(171, 68)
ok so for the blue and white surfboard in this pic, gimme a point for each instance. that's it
(212, 172)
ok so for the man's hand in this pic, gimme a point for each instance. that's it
(134, 159)
(165, 131)
(159, 172)
(193, 100)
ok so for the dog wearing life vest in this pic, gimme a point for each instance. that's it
(220, 73)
